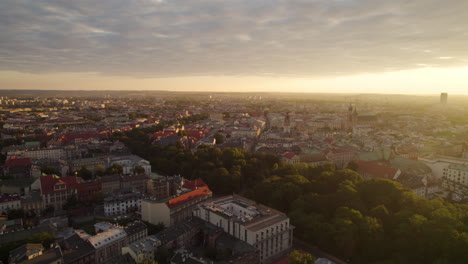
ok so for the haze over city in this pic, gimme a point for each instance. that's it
(340, 46)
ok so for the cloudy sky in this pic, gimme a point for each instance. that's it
(382, 46)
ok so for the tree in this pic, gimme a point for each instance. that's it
(85, 173)
(49, 169)
(219, 138)
(139, 170)
(44, 238)
(297, 257)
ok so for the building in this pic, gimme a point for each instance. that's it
(18, 168)
(340, 157)
(371, 170)
(108, 244)
(262, 227)
(50, 256)
(88, 191)
(9, 202)
(130, 162)
(143, 249)
(122, 203)
(110, 184)
(173, 210)
(135, 231)
(163, 187)
(55, 190)
(32, 202)
(134, 182)
(440, 164)
(77, 251)
(443, 98)
(457, 175)
(25, 252)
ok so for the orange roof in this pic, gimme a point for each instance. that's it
(188, 196)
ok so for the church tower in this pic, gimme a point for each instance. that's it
(287, 124)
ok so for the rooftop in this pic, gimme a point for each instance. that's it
(188, 196)
(107, 237)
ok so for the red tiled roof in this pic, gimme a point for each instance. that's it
(193, 185)
(376, 170)
(49, 181)
(188, 197)
(289, 155)
(15, 161)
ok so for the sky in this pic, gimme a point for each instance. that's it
(355, 46)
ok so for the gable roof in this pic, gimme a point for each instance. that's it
(376, 170)
(193, 185)
(49, 181)
(188, 196)
(15, 161)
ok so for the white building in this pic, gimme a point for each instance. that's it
(123, 203)
(130, 162)
(440, 164)
(143, 249)
(263, 227)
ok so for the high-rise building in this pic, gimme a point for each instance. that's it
(443, 98)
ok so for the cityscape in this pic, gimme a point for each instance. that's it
(214, 177)
(233, 132)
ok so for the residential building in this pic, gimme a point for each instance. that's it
(135, 231)
(9, 202)
(143, 249)
(49, 256)
(122, 203)
(130, 162)
(55, 190)
(173, 210)
(110, 184)
(88, 191)
(33, 202)
(163, 187)
(25, 252)
(18, 168)
(134, 182)
(108, 244)
(77, 251)
(262, 227)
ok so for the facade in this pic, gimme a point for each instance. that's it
(122, 203)
(134, 182)
(88, 190)
(9, 202)
(89, 163)
(143, 249)
(52, 154)
(55, 190)
(440, 164)
(108, 244)
(135, 231)
(175, 210)
(110, 184)
(33, 202)
(457, 174)
(340, 157)
(130, 162)
(163, 187)
(264, 228)
(18, 168)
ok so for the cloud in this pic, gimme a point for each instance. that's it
(313, 38)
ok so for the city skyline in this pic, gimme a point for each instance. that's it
(339, 46)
